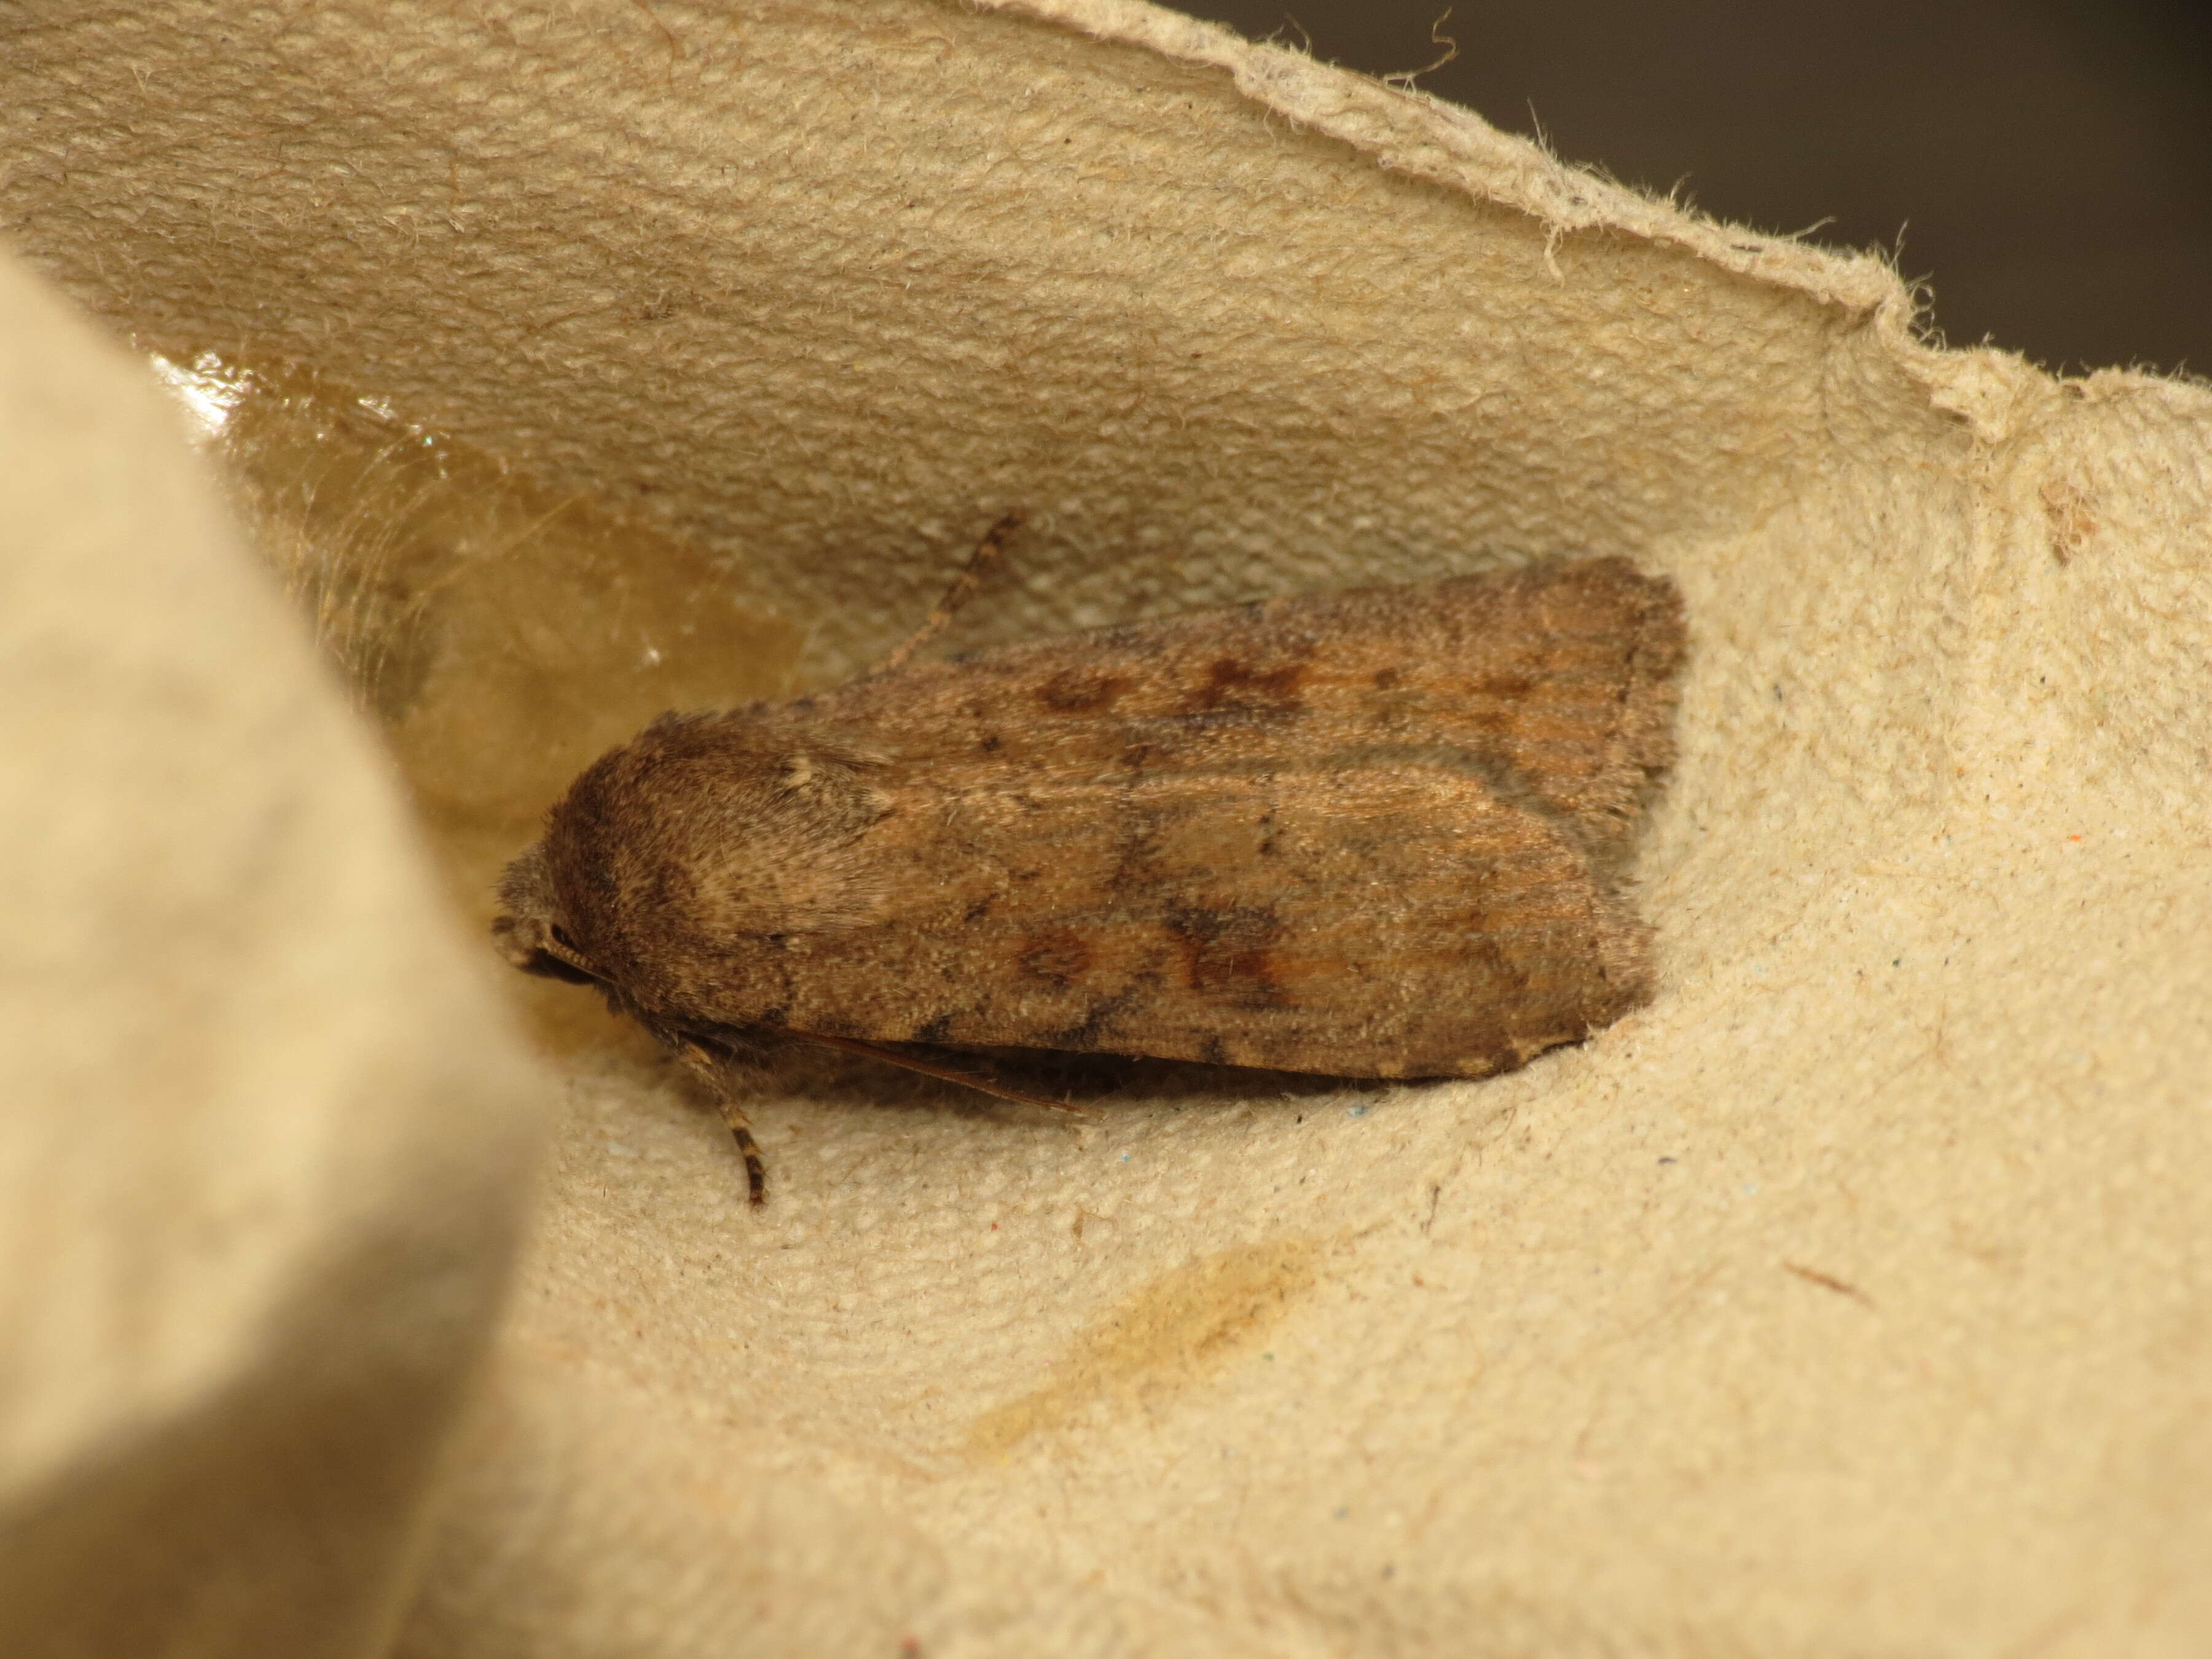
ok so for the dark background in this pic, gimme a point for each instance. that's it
(2045, 165)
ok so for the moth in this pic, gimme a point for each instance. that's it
(1380, 833)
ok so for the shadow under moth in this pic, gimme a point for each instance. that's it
(1379, 833)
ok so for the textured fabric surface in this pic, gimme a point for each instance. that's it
(1851, 1298)
(263, 1146)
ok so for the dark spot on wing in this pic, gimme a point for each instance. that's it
(1387, 677)
(1225, 955)
(934, 1031)
(1080, 691)
(979, 909)
(990, 743)
(1239, 687)
(1085, 1033)
(1058, 955)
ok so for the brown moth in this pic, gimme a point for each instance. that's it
(1379, 833)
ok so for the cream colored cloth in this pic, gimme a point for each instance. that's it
(1852, 1298)
(262, 1134)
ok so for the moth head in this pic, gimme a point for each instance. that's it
(528, 930)
(703, 836)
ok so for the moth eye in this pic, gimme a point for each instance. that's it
(561, 938)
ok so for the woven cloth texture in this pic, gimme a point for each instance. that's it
(1850, 1298)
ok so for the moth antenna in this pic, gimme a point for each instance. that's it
(987, 553)
(949, 1074)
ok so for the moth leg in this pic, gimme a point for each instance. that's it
(741, 1129)
(986, 554)
(715, 1069)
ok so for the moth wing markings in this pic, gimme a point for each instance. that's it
(1401, 922)
(1559, 678)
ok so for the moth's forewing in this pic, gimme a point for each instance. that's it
(1555, 680)
(1374, 920)
(1367, 833)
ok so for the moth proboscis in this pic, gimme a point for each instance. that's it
(1380, 833)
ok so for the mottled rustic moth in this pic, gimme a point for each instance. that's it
(1379, 833)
